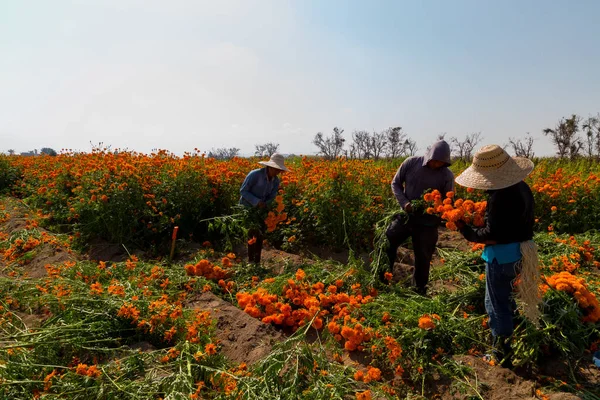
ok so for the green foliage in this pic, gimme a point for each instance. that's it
(9, 174)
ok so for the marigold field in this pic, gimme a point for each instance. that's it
(76, 325)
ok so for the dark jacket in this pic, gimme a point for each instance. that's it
(508, 217)
(414, 177)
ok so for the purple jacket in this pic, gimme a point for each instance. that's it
(414, 177)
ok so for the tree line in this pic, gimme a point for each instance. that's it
(572, 137)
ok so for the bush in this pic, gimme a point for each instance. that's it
(9, 174)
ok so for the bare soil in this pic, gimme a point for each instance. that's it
(242, 338)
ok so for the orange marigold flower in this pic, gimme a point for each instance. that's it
(374, 374)
(359, 375)
(96, 288)
(252, 241)
(366, 395)
(48, 380)
(210, 349)
(300, 274)
(93, 371)
(426, 323)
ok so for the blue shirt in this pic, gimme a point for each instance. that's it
(503, 253)
(257, 187)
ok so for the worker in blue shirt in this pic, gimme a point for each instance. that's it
(259, 189)
(509, 250)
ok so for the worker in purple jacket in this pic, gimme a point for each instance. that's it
(415, 176)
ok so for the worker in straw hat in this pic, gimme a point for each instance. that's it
(509, 251)
(259, 189)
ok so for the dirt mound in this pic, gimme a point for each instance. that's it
(448, 239)
(242, 337)
(485, 381)
(45, 254)
(40, 256)
(100, 250)
(14, 224)
(488, 382)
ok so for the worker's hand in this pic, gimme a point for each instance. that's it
(261, 204)
(460, 224)
(408, 208)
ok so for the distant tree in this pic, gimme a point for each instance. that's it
(522, 147)
(565, 138)
(330, 147)
(266, 150)
(359, 148)
(378, 144)
(466, 146)
(224, 153)
(591, 127)
(441, 136)
(410, 147)
(11, 152)
(396, 141)
(48, 151)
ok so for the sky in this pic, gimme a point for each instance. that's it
(185, 74)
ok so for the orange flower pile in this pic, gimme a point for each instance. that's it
(302, 302)
(576, 287)
(451, 210)
(207, 269)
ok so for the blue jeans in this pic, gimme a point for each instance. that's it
(499, 302)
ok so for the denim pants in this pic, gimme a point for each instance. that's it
(499, 302)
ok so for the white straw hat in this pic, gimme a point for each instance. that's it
(276, 162)
(494, 169)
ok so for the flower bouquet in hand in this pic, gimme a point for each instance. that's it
(455, 211)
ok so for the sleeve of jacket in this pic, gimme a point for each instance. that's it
(482, 235)
(245, 189)
(274, 190)
(398, 183)
(449, 183)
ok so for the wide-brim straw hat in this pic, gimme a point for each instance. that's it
(276, 161)
(494, 169)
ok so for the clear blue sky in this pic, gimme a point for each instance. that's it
(179, 74)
